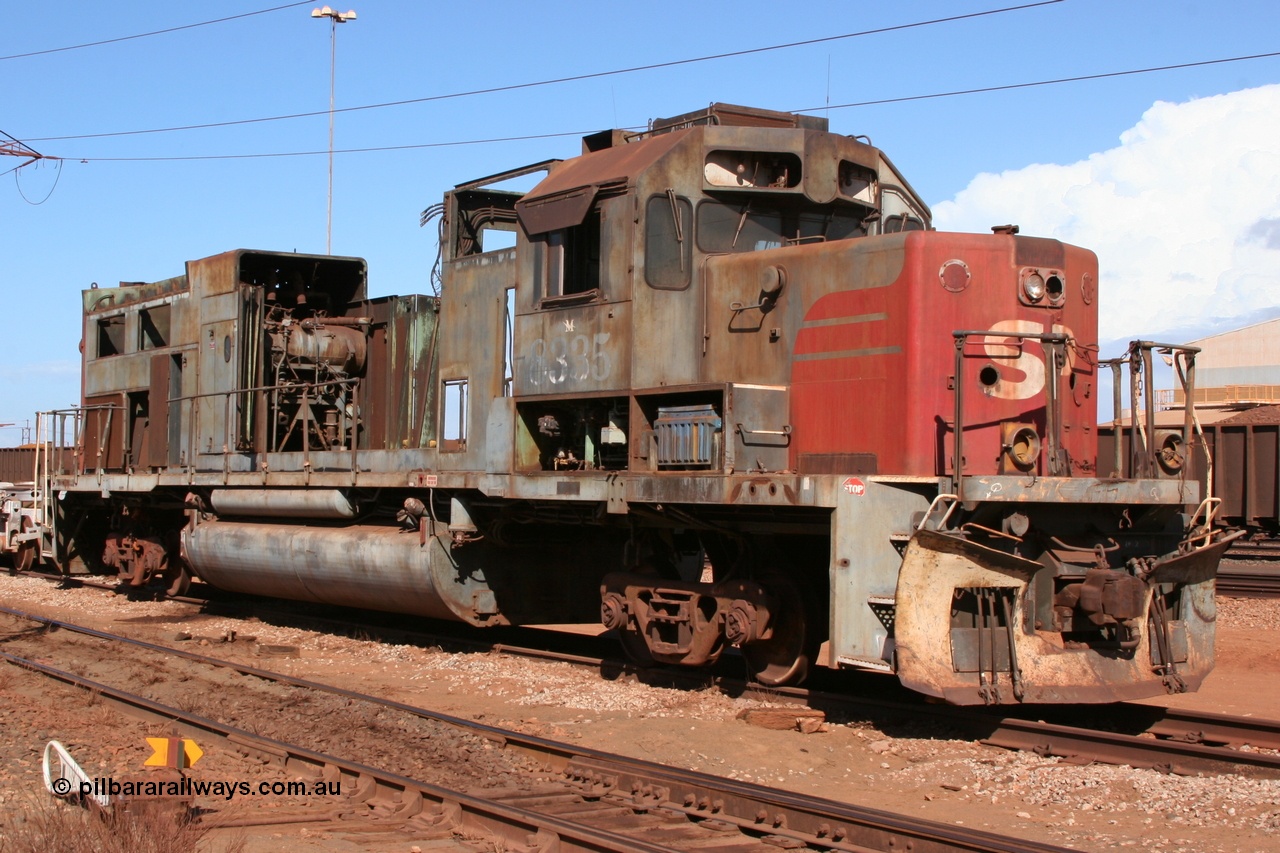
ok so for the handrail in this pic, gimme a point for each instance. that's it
(1054, 344)
(229, 445)
(1143, 446)
(954, 501)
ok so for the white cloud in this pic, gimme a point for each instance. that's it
(1184, 214)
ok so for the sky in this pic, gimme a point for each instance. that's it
(1171, 176)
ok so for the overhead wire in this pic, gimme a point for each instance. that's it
(165, 31)
(896, 100)
(1011, 86)
(325, 151)
(574, 78)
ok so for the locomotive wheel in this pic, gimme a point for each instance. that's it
(784, 658)
(25, 557)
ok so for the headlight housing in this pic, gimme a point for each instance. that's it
(1033, 288)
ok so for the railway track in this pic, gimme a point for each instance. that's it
(597, 802)
(1261, 549)
(1249, 579)
(1131, 734)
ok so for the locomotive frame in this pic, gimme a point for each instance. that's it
(714, 397)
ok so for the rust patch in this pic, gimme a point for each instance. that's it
(1038, 252)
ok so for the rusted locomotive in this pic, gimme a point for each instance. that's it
(728, 389)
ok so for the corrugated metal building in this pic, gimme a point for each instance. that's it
(1240, 366)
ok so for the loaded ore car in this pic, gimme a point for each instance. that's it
(727, 389)
(1242, 445)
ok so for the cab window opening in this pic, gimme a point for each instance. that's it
(755, 224)
(573, 258)
(668, 242)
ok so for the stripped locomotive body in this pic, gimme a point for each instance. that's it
(718, 385)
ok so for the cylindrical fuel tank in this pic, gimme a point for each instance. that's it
(282, 503)
(381, 568)
(553, 578)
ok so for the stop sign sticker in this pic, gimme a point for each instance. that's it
(855, 487)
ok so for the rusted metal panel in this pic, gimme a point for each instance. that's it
(838, 167)
(500, 432)
(118, 373)
(101, 299)
(1246, 476)
(399, 392)
(609, 166)
(1044, 671)
(802, 335)
(474, 309)
(103, 433)
(1246, 469)
(555, 211)
(757, 432)
(870, 516)
(727, 115)
(156, 452)
(1080, 490)
(1038, 252)
(579, 349)
(17, 464)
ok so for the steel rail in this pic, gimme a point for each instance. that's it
(1184, 742)
(1172, 756)
(1254, 549)
(1252, 581)
(641, 785)
(1208, 727)
(455, 809)
(691, 677)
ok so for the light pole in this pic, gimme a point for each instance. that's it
(335, 18)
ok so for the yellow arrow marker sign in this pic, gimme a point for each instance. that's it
(173, 752)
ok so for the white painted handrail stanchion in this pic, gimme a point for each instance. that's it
(67, 779)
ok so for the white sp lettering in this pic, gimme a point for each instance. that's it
(1016, 356)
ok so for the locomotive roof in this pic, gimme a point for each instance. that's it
(563, 197)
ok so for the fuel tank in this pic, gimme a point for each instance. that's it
(282, 503)
(420, 572)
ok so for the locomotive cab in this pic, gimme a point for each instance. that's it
(624, 356)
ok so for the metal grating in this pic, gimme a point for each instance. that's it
(688, 436)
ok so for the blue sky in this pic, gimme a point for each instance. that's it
(1118, 164)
